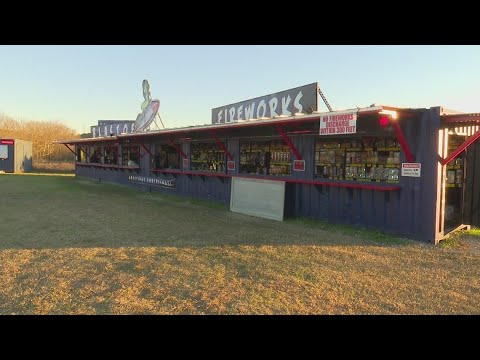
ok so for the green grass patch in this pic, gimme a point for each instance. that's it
(474, 232)
(463, 238)
(453, 241)
(372, 235)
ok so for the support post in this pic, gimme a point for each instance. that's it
(221, 145)
(287, 140)
(135, 150)
(462, 147)
(179, 150)
(160, 120)
(403, 142)
(68, 147)
(146, 149)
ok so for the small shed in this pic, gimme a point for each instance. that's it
(15, 155)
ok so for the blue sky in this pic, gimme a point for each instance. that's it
(79, 85)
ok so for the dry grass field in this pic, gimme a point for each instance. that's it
(75, 246)
(62, 167)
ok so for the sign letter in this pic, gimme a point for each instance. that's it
(273, 106)
(296, 103)
(261, 105)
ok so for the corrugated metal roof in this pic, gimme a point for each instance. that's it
(244, 123)
(86, 140)
(461, 118)
(447, 111)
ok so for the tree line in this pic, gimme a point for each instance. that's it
(42, 134)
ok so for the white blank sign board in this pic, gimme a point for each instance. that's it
(256, 197)
(3, 152)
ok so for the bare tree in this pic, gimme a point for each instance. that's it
(42, 134)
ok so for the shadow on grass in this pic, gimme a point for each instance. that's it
(375, 236)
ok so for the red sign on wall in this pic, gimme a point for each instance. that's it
(299, 165)
(231, 165)
(7, 142)
(185, 163)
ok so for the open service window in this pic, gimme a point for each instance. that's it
(96, 155)
(370, 159)
(82, 153)
(110, 155)
(207, 157)
(165, 157)
(454, 184)
(131, 155)
(270, 157)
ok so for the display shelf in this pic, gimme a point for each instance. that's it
(271, 157)
(376, 160)
(281, 163)
(454, 167)
(97, 165)
(388, 149)
(455, 175)
(207, 157)
(128, 167)
(168, 171)
(388, 166)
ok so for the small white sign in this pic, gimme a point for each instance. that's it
(411, 169)
(338, 123)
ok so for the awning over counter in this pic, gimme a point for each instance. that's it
(280, 120)
(86, 140)
(459, 120)
(467, 124)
